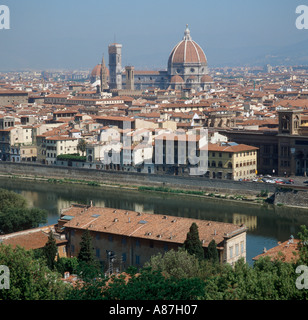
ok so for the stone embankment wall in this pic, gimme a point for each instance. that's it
(136, 179)
(292, 197)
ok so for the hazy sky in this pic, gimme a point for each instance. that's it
(74, 34)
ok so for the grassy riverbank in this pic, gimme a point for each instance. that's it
(259, 199)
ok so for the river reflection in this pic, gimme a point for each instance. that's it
(266, 224)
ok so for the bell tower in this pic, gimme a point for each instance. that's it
(115, 66)
(103, 76)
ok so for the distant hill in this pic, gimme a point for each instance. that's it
(296, 54)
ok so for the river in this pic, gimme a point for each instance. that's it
(266, 224)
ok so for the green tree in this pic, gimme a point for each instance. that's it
(146, 285)
(50, 250)
(10, 199)
(212, 252)
(192, 243)
(86, 253)
(176, 263)
(15, 215)
(265, 280)
(29, 278)
(81, 146)
(88, 267)
(17, 219)
(303, 245)
(64, 264)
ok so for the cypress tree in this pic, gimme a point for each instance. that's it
(212, 253)
(50, 250)
(88, 267)
(192, 244)
(86, 253)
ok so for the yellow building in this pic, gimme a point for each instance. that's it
(230, 161)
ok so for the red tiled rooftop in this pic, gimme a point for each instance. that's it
(287, 251)
(29, 239)
(148, 226)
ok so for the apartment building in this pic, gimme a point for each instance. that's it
(13, 96)
(178, 153)
(229, 160)
(133, 237)
(11, 138)
(56, 145)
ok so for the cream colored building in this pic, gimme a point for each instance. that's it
(57, 145)
(230, 161)
(11, 138)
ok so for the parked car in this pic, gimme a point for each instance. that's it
(286, 182)
(279, 181)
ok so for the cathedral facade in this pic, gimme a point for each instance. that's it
(186, 69)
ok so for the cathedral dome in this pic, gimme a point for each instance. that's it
(176, 79)
(96, 71)
(187, 51)
(206, 78)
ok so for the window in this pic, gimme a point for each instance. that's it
(242, 247)
(231, 252)
(97, 252)
(110, 238)
(137, 243)
(137, 259)
(123, 257)
(236, 250)
(123, 240)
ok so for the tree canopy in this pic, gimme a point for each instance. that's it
(29, 278)
(192, 243)
(15, 214)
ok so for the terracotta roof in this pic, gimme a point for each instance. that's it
(176, 79)
(187, 51)
(206, 78)
(147, 226)
(61, 138)
(286, 251)
(229, 148)
(114, 118)
(29, 239)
